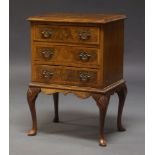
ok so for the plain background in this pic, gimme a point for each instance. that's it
(78, 131)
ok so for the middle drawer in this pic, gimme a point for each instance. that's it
(45, 53)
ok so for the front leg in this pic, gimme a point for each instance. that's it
(102, 102)
(32, 94)
(122, 92)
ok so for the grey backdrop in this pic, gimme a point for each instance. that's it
(78, 131)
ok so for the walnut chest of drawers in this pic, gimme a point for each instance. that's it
(80, 54)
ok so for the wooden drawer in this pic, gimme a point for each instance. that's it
(45, 53)
(64, 75)
(68, 34)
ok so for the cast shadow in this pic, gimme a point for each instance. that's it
(80, 125)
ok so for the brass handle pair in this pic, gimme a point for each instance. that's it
(47, 53)
(47, 74)
(83, 35)
(84, 76)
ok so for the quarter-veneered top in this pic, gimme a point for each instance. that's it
(78, 18)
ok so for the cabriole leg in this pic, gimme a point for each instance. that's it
(122, 92)
(56, 108)
(32, 94)
(102, 102)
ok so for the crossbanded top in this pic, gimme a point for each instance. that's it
(78, 18)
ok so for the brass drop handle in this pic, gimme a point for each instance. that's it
(84, 56)
(47, 74)
(47, 53)
(46, 33)
(84, 35)
(84, 76)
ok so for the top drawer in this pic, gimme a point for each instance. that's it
(67, 34)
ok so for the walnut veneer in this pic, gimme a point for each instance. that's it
(80, 54)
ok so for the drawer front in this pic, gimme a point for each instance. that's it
(66, 55)
(64, 75)
(68, 34)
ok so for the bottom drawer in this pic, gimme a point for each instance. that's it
(64, 75)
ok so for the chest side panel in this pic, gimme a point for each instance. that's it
(113, 49)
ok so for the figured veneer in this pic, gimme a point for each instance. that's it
(66, 34)
(66, 55)
(66, 75)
